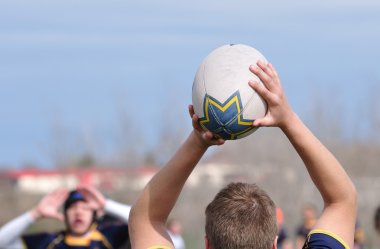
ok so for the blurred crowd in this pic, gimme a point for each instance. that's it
(86, 213)
(309, 218)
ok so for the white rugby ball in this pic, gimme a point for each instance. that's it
(224, 102)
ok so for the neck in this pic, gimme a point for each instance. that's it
(84, 234)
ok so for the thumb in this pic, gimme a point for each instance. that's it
(266, 121)
(58, 216)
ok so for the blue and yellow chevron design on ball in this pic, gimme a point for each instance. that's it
(225, 119)
(222, 98)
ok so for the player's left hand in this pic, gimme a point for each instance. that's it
(279, 111)
(94, 198)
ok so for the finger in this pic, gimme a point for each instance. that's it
(59, 192)
(94, 192)
(196, 124)
(276, 79)
(257, 122)
(219, 141)
(85, 192)
(261, 90)
(274, 71)
(93, 205)
(263, 76)
(59, 195)
(63, 194)
(52, 196)
(210, 138)
(191, 110)
(58, 216)
(266, 79)
(266, 68)
(84, 188)
(56, 193)
(260, 122)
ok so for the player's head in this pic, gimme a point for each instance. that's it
(241, 216)
(309, 211)
(78, 215)
(377, 220)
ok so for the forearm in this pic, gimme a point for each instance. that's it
(325, 170)
(160, 195)
(117, 210)
(11, 232)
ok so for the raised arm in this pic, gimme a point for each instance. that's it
(152, 208)
(336, 188)
(10, 233)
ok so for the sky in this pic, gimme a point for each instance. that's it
(77, 66)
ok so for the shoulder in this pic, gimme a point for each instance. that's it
(39, 239)
(324, 239)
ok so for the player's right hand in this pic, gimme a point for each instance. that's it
(205, 138)
(49, 205)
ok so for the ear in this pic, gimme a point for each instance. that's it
(275, 243)
(207, 244)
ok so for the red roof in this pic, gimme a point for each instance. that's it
(17, 173)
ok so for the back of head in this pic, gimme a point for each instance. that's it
(241, 216)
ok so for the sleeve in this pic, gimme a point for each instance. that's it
(324, 239)
(117, 210)
(10, 233)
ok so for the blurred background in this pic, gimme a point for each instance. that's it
(97, 92)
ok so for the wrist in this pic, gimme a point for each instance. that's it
(35, 213)
(103, 203)
(291, 121)
(197, 141)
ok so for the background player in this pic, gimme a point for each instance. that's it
(80, 218)
(309, 219)
(175, 232)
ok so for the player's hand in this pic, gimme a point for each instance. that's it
(93, 197)
(205, 138)
(279, 111)
(49, 205)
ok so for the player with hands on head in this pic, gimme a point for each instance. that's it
(80, 208)
(242, 216)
